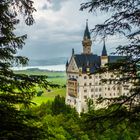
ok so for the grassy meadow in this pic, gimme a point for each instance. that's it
(54, 77)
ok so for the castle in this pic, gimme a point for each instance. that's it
(84, 83)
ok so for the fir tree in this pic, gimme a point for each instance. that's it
(125, 20)
(16, 89)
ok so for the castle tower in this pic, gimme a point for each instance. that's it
(87, 41)
(104, 57)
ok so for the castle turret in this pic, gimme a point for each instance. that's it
(104, 57)
(87, 41)
(73, 51)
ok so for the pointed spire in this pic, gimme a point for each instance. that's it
(87, 33)
(73, 51)
(104, 51)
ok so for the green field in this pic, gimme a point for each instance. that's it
(49, 95)
(54, 77)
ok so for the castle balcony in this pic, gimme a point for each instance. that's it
(72, 87)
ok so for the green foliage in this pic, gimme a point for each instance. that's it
(39, 93)
(124, 20)
(59, 121)
(16, 90)
(58, 105)
(90, 105)
(109, 124)
(68, 125)
(49, 96)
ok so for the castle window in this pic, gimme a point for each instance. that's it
(100, 76)
(85, 97)
(92, 96)
(100, 89)
(110, 94)
(90, 77)
(85, 90)
(96, 95)
(105, 94)
(114, 88)
(112, 76)
(114, 94)
(96, 89)
(92, 90)
(85, 77)
(85, 84)
(108, 88)
(90, 84)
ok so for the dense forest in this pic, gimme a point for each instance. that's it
(61, 122)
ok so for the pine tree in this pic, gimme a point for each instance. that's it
(124, 20)
(16, 89)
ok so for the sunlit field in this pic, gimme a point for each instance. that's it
(54, 77)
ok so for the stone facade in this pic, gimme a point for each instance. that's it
(82, 81)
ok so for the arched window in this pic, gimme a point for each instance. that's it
(85, 77)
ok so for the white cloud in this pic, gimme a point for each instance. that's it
(59, 27)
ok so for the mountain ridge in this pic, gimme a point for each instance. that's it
(50, 61)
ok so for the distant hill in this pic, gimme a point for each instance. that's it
(52, 61)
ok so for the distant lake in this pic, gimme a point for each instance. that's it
(49, 67)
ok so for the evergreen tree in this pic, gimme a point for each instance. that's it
(124, 20)
(16, 89)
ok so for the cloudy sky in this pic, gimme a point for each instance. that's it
(59, 27)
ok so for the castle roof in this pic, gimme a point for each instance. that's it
(90, 61)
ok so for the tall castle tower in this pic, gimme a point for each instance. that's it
(104, 57)
(87, 41)
(83, 81)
